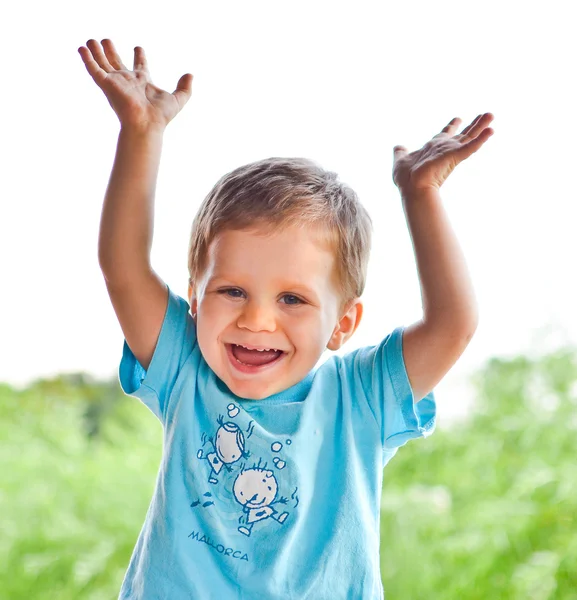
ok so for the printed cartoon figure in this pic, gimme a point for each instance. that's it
(256, 489)
(229, 446)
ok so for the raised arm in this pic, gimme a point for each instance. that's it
(432, 345)
(137, 293)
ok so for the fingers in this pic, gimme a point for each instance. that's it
(112, 55)
(140, 62)
(450, 128)
(472, 146)
(109, 60)
(98, 74)
(99, 56)
(183, 89)
(471, 131)
(476, 127)
(471, 125)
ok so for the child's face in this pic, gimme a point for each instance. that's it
(277, 292)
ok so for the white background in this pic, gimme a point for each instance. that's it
(340, 83)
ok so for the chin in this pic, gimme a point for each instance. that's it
(246, 393)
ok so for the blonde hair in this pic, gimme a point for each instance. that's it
(275, 193)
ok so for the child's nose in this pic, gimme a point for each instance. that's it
(257, 316)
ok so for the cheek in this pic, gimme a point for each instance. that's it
(211, 318)
(210, 307)
(309, 330)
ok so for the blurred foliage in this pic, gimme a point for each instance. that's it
(488, 508)
(483, 509)
(77, 468)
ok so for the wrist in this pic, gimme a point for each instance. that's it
(142, 130)
(409, 194)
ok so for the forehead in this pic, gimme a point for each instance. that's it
(295, 254)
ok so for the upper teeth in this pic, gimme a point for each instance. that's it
(258, 349)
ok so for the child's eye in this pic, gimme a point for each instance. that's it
(228, 292)
(290, 300)
(294, 300)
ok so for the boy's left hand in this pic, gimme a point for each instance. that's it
(429, 167)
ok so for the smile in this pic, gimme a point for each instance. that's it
(254, 504)
(251, 369)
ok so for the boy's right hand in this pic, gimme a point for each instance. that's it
(137, 102)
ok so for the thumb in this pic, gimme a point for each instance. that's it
(183, 89)
(399, 151)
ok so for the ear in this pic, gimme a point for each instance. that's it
(192, 301)
(347, 325)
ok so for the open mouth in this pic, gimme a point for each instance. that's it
(253, 361)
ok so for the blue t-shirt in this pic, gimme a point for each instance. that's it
(268, 499)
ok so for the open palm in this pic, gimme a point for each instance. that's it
(135, 99)
(430, 166)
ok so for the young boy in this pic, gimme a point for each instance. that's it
(270, 480)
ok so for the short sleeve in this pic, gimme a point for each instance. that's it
(386, 386)
(175, 344)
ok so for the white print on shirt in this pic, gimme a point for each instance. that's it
(256, 489)
(228, 447)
